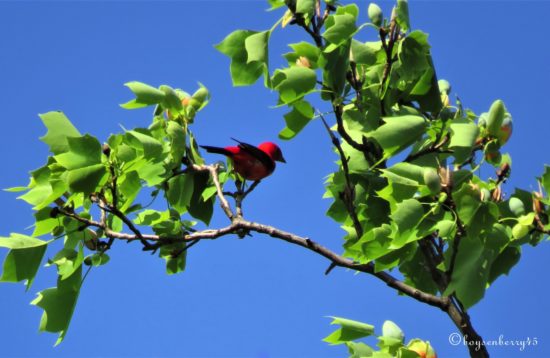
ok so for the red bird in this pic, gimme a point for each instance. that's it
(252, 163)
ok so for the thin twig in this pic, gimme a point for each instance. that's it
(348, 195)
(434, 148)
(213, 170)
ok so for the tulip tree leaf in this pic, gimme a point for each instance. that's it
(339, 29)
(199, 208)
(145, 95)
(293, 83)
(473, 264)
(407, 216)
(335, 64)
(85, 180)
(349, 330)
(246, 67)
(296, 119)
(306, 7)
(303, 49)
(83, 151)
(402, 11)
(175, 257)
(362, 54)
(398, 133)
(180, 191)
(58, 304)
(463, 137)
(23, 260)
(59, 130)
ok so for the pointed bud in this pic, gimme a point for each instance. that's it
(375, 14)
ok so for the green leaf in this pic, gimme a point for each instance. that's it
(18, 241)
(340, 28)
(177, 136)
(407, 215)
(23, 260)
(463, 138)
(413, 54)
(175, 257)
(129, 185)
(296, 119)
(68, 261)
(180, 191)
(243, 71)
(59, 129)
(97, 259)
(303, 49)
(44, 222)
(256, 46)
(86, 180)
(335, 65)
(293, 83)
(349, 331)
(416, 272)
(402, 12)
(473, 264)
(152, 148)
(198, 208)
(145, 95)
(58, 304)
(16, 189)
(275, 4)
(359, 350)
(306, 7)
(398, 133)
(83, 151)
(374, 244)
(362, 54)
(171, 100)
(504, 262)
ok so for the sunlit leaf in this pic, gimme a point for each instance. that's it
(59, 129)
(349, 331)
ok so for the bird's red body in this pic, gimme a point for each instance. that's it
(251, 162)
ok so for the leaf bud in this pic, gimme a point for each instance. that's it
(444, 86)
(106, 149)
(432, 180)
(516, 206)
(495, 117)
(376, 15)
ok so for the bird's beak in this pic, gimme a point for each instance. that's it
(281, 159)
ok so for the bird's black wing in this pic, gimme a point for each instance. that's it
(257, 153)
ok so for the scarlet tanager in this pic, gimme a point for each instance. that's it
(251, 162)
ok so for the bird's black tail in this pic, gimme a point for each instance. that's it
(217, 150)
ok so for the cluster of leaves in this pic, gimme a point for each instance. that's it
(83, 179)
(407, 190)
(391, 343)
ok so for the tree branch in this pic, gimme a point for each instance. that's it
(213, 170)
(434, 148)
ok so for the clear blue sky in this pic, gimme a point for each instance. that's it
(257, 297)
